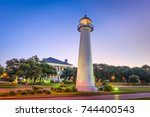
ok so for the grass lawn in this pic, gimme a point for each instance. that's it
(132, 89)
(11, 86)
(121, 90)
(23, 86)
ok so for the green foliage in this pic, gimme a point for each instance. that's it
(2, 69)
(68, 81)
(58, 85)
(12, 93)
(13, 78)
(64, 88)
(30, 68)
(58, 89)
(9, 86)
(39, 91)
(51, 81)
(35, 88)
(69, 73)
(4, 94)
(47, 92)
(108, 88)
(121, 73)
(23, 93)
(30, 91)
(19, 91)
(105, 82)
(101, 88)
(134, 79)
(35, 70)
(67, 89)
(47, 69)
(73, 88)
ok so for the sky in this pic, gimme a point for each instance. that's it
(48, 28)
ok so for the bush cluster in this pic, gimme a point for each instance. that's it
(4, 94)
(39, 91)
(34, 88)
(24, 92)
(12, 93)
(64, 88)
(106, 87)
(47, 92)
(68, 81)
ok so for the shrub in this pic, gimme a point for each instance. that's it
(108, 88)
(67, 89)
(73, 88)
(101, 88)
(44, 91)
(31, 92)
(134, 79)
(27, 90)
(23, 93)
(53, 89)
(12, 93)
(106, 82)
(19, 91)
(39, 91)
(36, 88)
(47, 92)
(51, 81)
(58, 89)
(68, 81)
(4, 94)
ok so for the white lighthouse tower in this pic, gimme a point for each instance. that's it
(85, 76)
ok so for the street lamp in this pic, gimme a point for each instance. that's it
(5, 75)
(112, 78)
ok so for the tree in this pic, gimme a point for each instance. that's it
(31, 68)
(1, 70)
(68, 73)
(34, 59)
(47, 70)
(134, 79)
(12, 66)
(36, 72)
(146, 67)
(101, 72)
(142, 73)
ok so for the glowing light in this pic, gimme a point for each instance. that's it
(45, 81)
(113, 77)
(116, 89)
(85, 21)
(5, 75)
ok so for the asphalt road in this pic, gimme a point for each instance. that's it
(95, 97)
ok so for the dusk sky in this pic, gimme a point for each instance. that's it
(48, 28)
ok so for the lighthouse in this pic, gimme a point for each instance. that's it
(85, 77)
